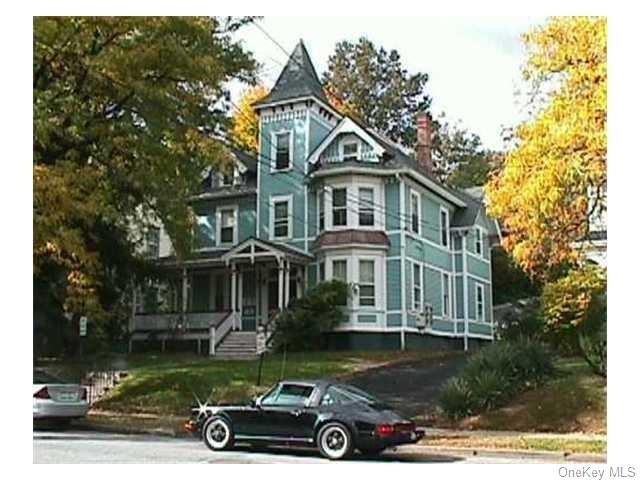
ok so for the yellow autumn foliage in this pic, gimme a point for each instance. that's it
(554, 180)
(245, 128)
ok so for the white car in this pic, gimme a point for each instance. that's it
(56, 399)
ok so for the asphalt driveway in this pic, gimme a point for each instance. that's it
(412, 388)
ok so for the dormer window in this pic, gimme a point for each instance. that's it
(283, 149)
(350, 151)
(226, 179)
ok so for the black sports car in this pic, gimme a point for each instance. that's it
(335, 417)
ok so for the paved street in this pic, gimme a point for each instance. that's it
(75, 446)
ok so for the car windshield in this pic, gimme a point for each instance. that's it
(40, 376)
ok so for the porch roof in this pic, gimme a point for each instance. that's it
(253, 249)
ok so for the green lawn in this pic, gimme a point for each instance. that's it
(573, 401)
(165, 384)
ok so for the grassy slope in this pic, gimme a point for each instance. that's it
(165, 384)
(574, 401)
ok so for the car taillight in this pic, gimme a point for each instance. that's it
(384, 430)
(43, 393)
(84, 394)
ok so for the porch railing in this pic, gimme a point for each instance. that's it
(172, 321)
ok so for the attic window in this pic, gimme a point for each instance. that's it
(349, 151)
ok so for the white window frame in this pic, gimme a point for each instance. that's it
(321, 196)
(447, 280)
(350, 141)
(274, 150)
(346, 207)
(322, 271)
(272, 210)
(359, 260)
(477, 242)
(447, 231)
(417, 290)
(414, 194)
(480, 300)
(370, 207)
(219, 210)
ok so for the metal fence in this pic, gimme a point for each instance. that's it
(100, 383)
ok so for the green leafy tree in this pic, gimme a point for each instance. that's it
(375, 87)
(123, 115)
(459, 157)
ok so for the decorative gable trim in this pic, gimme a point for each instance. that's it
(346, 126)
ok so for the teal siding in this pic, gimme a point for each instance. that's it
(443, 326)
(394, 299)
(472, 300)
(283, 183)
(394, 319)
(394, 247)
(458, 262)
(482, 329)
(478, 267)
(206, 233)
(424, 252)
(367, 319)
(433, 290)
(392, 205)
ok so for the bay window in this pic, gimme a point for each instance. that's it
(480, 309)
(417, 287)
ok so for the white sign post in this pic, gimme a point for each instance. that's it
(83, 326)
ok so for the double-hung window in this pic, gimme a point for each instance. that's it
(281, 217)
(446, 295)
(478, 241)
(339, 272)
(282, 159)
(444, 227)
(365, 207)
(153, 242)
(339, 205)
(366, 283)
(349, 151)
(415, 212)
(226, 178)
(227, 225)
(417, 287)
(480, 303)
(321, 210)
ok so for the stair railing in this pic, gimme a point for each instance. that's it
(217, 332)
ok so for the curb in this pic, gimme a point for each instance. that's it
(99, 427)
(496, 452)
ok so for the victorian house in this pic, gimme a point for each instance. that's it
(326, 198)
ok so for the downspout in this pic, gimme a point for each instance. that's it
(465, 290)
(403, 286)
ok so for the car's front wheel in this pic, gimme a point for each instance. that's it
(217, 434)
(334, 441)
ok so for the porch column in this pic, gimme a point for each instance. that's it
(281, 285)
(234, 279)
(240, 294)
(287, 282)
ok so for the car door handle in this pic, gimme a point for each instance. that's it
(296, 413)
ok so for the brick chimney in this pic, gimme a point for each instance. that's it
(423, 143)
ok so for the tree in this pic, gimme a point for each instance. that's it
(554, 180)
(372, 85)
(245, 120)
(460, 159)
(124, 115)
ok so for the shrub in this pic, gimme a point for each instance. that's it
(303, 324)
(524, 321)
(495, 374)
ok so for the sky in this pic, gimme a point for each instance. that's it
(474, 63)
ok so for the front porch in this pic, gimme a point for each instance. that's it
(239, 290)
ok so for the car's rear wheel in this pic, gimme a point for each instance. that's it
(217, 434)
(334, 441)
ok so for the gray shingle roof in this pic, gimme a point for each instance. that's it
(297, 79)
